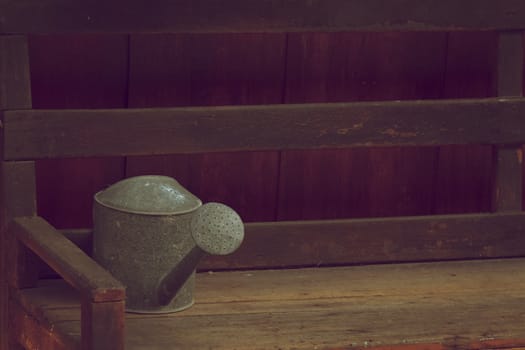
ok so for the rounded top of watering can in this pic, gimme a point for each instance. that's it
(149, 195)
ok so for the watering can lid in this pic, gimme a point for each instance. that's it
(149, 195)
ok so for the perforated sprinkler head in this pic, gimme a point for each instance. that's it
(217, 229)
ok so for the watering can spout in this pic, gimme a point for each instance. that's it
(216, 229)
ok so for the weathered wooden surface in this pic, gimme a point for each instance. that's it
(508, 178)
(15, 89)
(67, 260)
(17, 195)
(510, 64)
(337, 242)
(467, 305)
(69, 133)
(337, 67)
(258, 15)
(332, 67)
(20, 200)
(463, 173)
(33, 332)
(102, 325)
(508, 159)
(209, 70)
(19, 265)
(357, 241)
(77, 71)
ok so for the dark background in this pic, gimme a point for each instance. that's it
(115, 71)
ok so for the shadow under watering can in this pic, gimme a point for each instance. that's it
(150, 233)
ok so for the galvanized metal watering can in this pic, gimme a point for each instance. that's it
(150, 233)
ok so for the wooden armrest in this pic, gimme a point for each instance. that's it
(63, 256)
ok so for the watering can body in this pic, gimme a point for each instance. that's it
(150, 233)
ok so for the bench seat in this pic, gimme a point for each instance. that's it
(445, 305)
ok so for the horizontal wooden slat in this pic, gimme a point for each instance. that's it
(33, 134)
(359, 241)
(67, 260)
(65, 16)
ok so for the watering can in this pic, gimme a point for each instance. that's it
(150, 233)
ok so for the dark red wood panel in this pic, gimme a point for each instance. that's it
(464, 172)
(524, 145)
(212, 69)
(85, 71)
(352, 66)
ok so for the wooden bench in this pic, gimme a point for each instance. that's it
(432, 304)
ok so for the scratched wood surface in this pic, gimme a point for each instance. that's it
(464, 173)
(17, 179)
(374, 182)
(203, 70)
(259, 15)
(364, 241)
(76, 72)
(454, 305)
(83, 133)
(351, 66)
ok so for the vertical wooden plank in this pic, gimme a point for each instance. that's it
(510, 64)
(15, 90)
(86, 71)
(20, 200)
(508, 177)
(203, 70)
(463, 179)
(523, 148)
(332, 67)
(16, 182)
(508, 159)
(102, 325)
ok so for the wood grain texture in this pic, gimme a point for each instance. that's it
(463, 179)
(329, 184)
(342, 67)
(508, 178)
(16, 179)
(15, 89)
(466, 77)
(358, 241)
(464, 172)
(467, 305)
(207, 70)
(85, 71)
(32, 332)
(102, 325)
(68, 133)
(259, 15)
(20, 198)
(92, 281)
(508, 159)
(19, 265)
(336, 67)
(510, 64)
